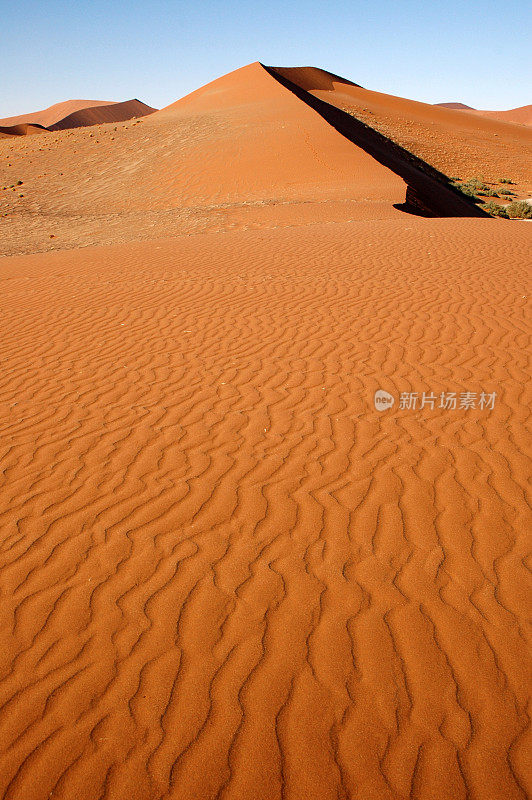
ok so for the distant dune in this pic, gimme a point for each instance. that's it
(73, 114)
(461, 106)
(97, 115)
(21, 129)
(521, 115)
(49, 116)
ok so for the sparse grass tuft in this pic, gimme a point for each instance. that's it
(505, 180)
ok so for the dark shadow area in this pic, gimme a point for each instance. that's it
(429, 192)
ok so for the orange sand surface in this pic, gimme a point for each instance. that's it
(224, 575)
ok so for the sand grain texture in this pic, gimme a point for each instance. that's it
(223, 573)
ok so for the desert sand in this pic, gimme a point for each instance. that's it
(223, 572)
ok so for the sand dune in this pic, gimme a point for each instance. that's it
(97, 115)
(73, 114)
(521, 115)
(266, 158)
(224, 574)
(455, 106)
(22, 129)
(51, 115)
(458, 143)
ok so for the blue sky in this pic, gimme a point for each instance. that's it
(478, 53)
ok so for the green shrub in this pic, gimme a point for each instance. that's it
(467, 190)
(494, 210)
(477, 184)
(519, 209)
(474, 187)
(505, 180)
(505, 192)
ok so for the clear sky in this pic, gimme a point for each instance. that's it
(472, 51)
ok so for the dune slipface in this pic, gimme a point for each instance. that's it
(225, 571)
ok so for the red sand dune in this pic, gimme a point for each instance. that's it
(98, 115)
(54, 113)
(224, 574)
(458, 143)
(282, 125)
(22, 129)
(521, 115)
(337, 90)
(74, 114)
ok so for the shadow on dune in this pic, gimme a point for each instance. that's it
(428, 193)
